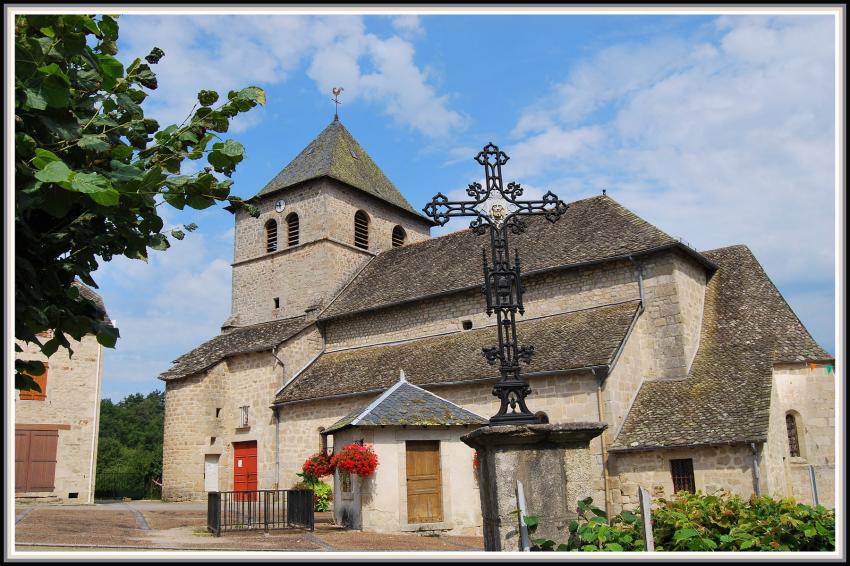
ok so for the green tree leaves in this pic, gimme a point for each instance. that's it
(89, 167)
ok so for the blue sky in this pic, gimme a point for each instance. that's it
(717, 129)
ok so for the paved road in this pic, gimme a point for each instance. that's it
(154, 525)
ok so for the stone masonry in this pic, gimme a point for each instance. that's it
(72, 402)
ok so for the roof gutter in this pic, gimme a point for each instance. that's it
(629, 256)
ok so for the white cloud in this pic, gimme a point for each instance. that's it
(408, 24)
(721, 143)
(228, 52)
(164, 308)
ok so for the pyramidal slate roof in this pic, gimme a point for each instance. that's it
(255, 338)
(336, 154)
(747, 327)
(593, 229)
(405, 404)
(572, 340)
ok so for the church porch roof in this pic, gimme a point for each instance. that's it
(405, 404)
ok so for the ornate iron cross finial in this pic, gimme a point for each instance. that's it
(337, 90)
(500, 209)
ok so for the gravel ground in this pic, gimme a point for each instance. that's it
(183, 526)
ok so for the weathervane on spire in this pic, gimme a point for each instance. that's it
(337, 90)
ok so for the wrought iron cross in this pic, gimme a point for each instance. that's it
(499, 209)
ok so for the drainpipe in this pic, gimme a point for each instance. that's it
(277, 424)
(640, 280)
(276, 448)
(95, 422)
(756, 472)
(603, 437)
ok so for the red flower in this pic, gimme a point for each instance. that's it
(318, 465)
(355, 459)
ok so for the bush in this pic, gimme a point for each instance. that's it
(699, 522)
(322, 493)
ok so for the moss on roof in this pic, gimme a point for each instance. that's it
(336, 154)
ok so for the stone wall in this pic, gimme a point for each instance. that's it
(545, 294)
(202, 415)
(325, 259)
(728, 467)
(809, 394)
(72, 399)
(623, 383)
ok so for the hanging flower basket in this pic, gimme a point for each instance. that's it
(355, 459)
(318, 465)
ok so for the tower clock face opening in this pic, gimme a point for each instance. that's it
(280, 205)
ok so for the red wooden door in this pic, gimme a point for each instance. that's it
(35, 459)
(245, 466)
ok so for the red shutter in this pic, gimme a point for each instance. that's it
(33, 395)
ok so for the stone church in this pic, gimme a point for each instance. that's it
(705, 377)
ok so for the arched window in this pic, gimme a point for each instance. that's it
(292, 229)
(793, 437)
(399, 236)
(271, 236)
(361, 230)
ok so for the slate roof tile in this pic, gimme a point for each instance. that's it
(336, 154)
(242, 340)
(567, 341)
(747, 327)
(405, 404)
(592, 229)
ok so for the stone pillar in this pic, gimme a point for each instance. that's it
(552, 461)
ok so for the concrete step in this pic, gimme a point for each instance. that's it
(37, 500)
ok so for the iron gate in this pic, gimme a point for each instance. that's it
(259, 509)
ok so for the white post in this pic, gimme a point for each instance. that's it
(646, 519)
(524, 545)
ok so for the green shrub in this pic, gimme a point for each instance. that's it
(699, 522)
(322, 493)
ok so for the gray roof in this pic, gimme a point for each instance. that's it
(246, 339)
(747, 327)
(592, 229)
(332, 154)
(572, 340)
(87, 293)
(405, 404)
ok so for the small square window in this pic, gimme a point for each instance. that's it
(73, 495)
(217, 412)
(466, 324)
(277, 302)
(212, 440)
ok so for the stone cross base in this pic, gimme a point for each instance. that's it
(553, 463)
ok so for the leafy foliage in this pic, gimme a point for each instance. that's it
(131, 435)
(322, 493)
(91, 170)
(699, 522)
